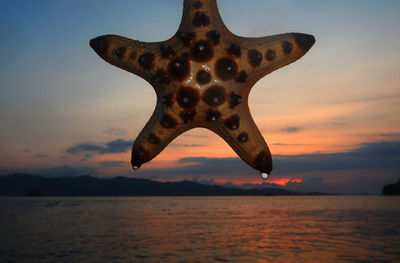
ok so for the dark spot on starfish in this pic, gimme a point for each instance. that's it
(133, 55)
(187, 97)
(214, 95)
(243, 137)
(100, 45)
(255, 57)
(179, 68)
(168, 121)
(187, 116)
(153, 138)
(270, 55)
(197, 5)
(203, 77)
(304, 41)
(225, 68)
(200, 19)
(234, 100)
(287, 47)
(263, 163)
(146, 60)
(185, 55)
(168, 100)
(261, 157)
(120, 52)
(242, 77)
(213, 114)
(234, 50)
(161, 77)
(167, 51)
(139, 156)
(201, 51)
(143, 152)
(213, 37)
(187, 38)
(232, 122)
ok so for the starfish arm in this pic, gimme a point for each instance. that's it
(137, 57)
(241, 133)
(262, 55)
(160, 130)
(201, 15)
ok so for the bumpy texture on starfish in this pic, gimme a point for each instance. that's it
(202, 77)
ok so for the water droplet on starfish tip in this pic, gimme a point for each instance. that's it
(264, 176)
(135, 167)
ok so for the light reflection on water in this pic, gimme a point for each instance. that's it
(244, 229)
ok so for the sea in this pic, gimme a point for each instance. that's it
(200, 229)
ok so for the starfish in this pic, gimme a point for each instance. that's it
(202, 77)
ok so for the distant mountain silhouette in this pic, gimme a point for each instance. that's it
(31, 185)
(391, 189)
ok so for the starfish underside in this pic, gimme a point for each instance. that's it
(202, 77)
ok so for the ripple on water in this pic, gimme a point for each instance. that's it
(149, 229)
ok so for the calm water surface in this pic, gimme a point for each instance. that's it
(200, 229)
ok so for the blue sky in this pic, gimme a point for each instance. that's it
(56, 93)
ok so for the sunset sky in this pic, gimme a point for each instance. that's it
(331, 119)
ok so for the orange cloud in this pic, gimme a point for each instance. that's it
(285, 181)
(255, 182)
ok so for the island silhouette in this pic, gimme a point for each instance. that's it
(391, 189)
(85, 185)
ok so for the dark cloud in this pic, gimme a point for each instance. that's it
(59, 171)
(26, 151)
(116, 146)
(292, 129)
(114, 163)
(86, 157)
(366, 167)
(392, 134)
(41, 155)
(380, 149)
(367, 156)
(199, 166)
(86, 147)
